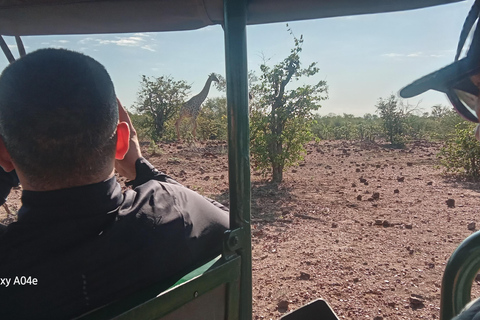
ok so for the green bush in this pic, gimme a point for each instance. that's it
(461, 153)
(212, 120)
(280, 117)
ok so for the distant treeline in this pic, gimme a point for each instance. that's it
(397, 126)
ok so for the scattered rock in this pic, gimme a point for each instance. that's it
(376, 195)
(396, 191)
(429, 183)
(416, 301)
(173, 161)
(304, 276)
(357, 170)
(359, 197)
(408, 226)
(471, 226)
(354, 185)
(282, 306)
(400, 179)
(363, 180)
(206, 178)
(386, 224)
(294, 171)
(378, 222)
(209, 155)
(334, 225)
(409, 164)
(450, 203)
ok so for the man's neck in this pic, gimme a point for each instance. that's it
(30, 185)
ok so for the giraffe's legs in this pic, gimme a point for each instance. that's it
(177, 124)
(194, 131)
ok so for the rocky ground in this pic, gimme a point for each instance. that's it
(364, 226)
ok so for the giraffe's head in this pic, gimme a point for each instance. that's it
(213, 77)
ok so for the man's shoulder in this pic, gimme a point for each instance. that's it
(167, 195)
(164, 202)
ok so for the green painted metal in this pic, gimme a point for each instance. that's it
(154, 302)
(238, 144)
(197, 272)
(460, 271)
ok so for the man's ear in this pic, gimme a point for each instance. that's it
(123, 140)
(5, 159)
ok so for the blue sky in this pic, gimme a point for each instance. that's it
(362, 58)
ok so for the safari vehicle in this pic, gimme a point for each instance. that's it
(222, 288)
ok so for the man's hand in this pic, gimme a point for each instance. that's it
(126, 167)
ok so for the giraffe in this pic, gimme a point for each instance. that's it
(191, 108)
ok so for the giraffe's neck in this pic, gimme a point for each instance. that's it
(204, 93)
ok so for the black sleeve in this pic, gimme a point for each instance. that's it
(8, 180)
(146, 172)
(470, 312)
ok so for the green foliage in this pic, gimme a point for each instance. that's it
(143, 124)
(461, 154)
(296, 133)
(445, 120)
(346, 127)
(280, 118)
(393, 120)
(159, 99)
(212, 120)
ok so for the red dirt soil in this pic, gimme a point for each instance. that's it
(363, 226)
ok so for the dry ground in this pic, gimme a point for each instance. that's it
(364, 226)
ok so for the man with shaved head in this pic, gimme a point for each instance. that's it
(80, 242)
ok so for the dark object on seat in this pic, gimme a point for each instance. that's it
(316, 310)
(8, 180)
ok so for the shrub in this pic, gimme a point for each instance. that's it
(461, 153)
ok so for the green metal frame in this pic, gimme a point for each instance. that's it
(239, 239)
(155, 302)
(460, 272)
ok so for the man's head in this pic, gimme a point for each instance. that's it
(58, 118)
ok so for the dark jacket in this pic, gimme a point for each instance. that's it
(90, 245)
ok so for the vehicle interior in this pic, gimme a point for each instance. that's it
(221, 288)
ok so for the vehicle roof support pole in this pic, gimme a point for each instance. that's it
(20, 46)
(238, 142)
(6, 50)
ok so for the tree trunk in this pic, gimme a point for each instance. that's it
(277, 163)
(159, 126)
(277, 175)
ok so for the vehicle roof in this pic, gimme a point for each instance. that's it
(42, 17)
